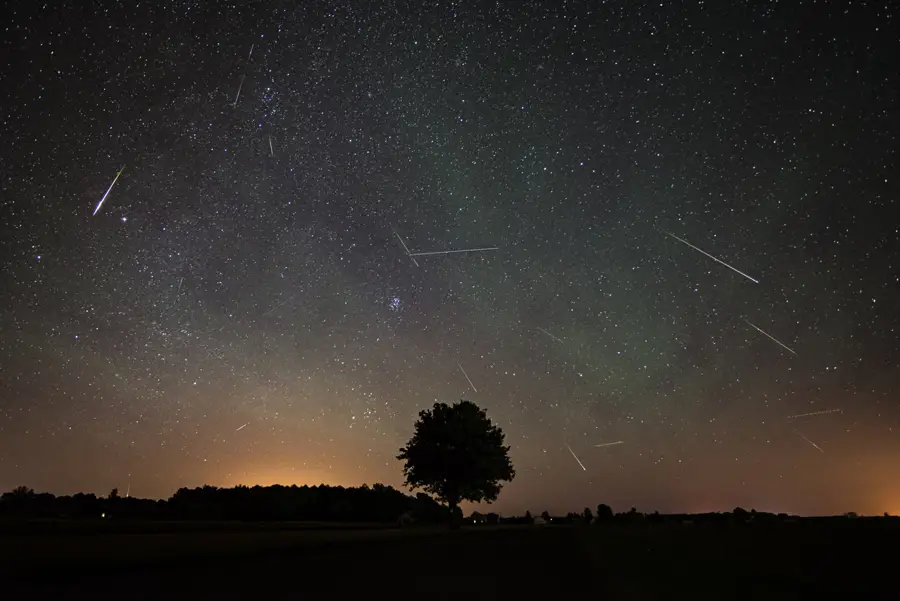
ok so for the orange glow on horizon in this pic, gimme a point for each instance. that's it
(284, 476)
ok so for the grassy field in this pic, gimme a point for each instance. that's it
(806, 559)
(640, 561)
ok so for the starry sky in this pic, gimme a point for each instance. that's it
(242, 307)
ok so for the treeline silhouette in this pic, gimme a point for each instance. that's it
(364, 504)
(605, 515)
(378, 503)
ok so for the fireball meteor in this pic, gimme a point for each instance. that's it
(108, 190)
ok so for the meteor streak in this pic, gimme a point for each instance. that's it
(108, 190)
(242, 427)
(278, 306)
(271, 150)
(809, 441)
(550, 335)
(823, 412)
(608, 444)
(238, 92)
(467, 376)
(446, 252)
(770, 337)
(177, 292)
(416, 263)
(713, 258)
(576, 458)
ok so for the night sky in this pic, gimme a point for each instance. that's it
(241, 308)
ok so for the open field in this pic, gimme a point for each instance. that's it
(62, 527)
(806, 559)
(640, 561)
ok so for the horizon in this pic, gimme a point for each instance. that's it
(484, 508)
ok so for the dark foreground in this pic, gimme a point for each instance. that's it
(779, 561)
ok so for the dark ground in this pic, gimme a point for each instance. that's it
(738, 561)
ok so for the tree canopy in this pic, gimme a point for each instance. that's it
(457, 454)
(604, 512)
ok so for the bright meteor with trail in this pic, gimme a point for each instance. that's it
(108, 190)
(576, 458)
(823, 412)
(447, 252)
(608, 444)
(772, 338)
(719, 261)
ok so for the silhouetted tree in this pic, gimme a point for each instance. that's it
(457, 454)
(18, 501)
(113, 494)
(588, 515)
(528, 518)
(604, 512)
(546, 516)
(632, 516)
(739, 514)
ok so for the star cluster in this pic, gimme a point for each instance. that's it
(248, 305)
